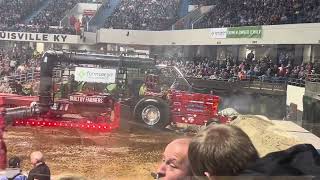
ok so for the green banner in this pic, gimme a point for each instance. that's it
(244, 32)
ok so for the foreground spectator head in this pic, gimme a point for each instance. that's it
(220, 150)
(175, 164)
(14, 162)
(40, 171)
(36, 157)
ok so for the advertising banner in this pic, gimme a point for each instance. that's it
(245, 32)
(237, 32)
(95, 75)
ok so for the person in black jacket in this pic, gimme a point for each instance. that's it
(298, 162)
(40, 171)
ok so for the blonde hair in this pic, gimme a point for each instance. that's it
(37, 155)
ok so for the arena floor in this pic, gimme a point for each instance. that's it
(116, 155)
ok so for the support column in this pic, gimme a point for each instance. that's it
(307, 54)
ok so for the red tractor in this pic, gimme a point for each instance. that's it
(97, 92)
(83, 90)
(169, 98)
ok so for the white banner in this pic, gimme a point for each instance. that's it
(95, 75)
(219, 33)
(39, 37)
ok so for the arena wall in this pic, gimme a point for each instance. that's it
(275, 34)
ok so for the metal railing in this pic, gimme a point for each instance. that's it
(253, 82)
(26, 77)
(21, 77)
(313, 78)
(280, 80)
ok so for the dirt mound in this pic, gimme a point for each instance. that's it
(265, 135)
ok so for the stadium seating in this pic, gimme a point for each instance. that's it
(144, 15)
(13, 12)
(160, 14)
(230, 13)
(55, 11)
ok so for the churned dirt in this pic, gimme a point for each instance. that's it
(115, 155)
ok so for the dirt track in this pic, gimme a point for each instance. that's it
(116, 155)
(123, 155)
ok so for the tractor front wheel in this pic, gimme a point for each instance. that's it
(153, 112)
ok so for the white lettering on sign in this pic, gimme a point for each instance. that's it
(39, 37)
(86, 99)
(95, 75)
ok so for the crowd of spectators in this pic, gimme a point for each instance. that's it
(202, 2)
(14, 11)
(18, 62)
(264, 69)
(54, 12)
(13, 16)
(144, 15)
(229, 13)
(160, 14)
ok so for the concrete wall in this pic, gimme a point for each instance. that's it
(295, 103)
(276, 34)
(271, 106)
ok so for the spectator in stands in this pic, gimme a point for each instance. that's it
(250, 57)
(13, 15)
(175, 164)
(221, 150)
(72, 20)
(40, 170)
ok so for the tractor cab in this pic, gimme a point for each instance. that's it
(165, 78)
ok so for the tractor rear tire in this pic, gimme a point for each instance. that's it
(153, 112)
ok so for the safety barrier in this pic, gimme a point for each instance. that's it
(251, 82)
(263, 81)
